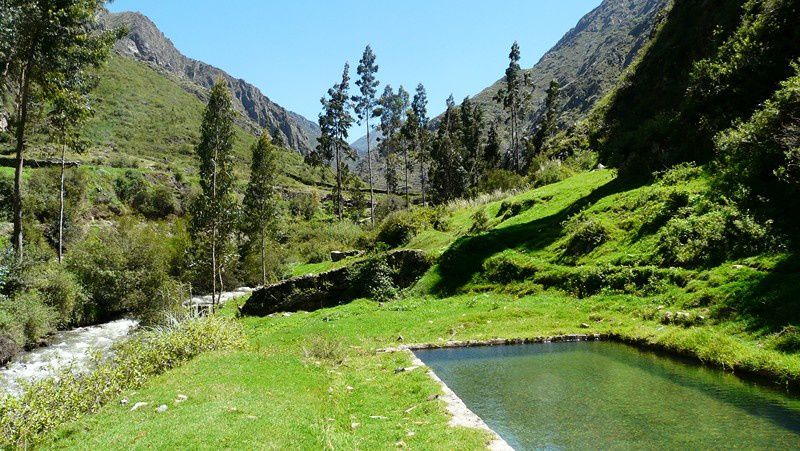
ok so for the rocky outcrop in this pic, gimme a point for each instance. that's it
(331, 288)
(146, 43)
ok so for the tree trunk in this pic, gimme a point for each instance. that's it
(22, 121)
(263, 259)
(405, 158)
(61, 204)
(214, 235)
(421, 157)
(339, 182)
(369, 171)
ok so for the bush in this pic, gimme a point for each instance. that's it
(787, 340)
(545, 171)
(46, 404)
(708, 232)
(398, 228)
(6, 196)
(125, 270)
(501, 180)
(480, 221)
(304, 205)
(313, 241)
(376, 278)
(60, 290)
(510, 209)
(759, 160)
(585, 234)
(162, 203)
(26, 319)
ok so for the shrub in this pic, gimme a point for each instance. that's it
(162, 203)
(708, 233)
(759, 160)
(545, 171)
(6, 196)
(500, 180)
(46, 404)
(60, 290)
(125, 270)
(585, 234)
(373, 278)
(398, 228)
(320, 348)
(27, 319)
(480, 221)
(510, 209)
(787, 340)
(304, 205)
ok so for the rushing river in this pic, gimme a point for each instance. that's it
(74, 347)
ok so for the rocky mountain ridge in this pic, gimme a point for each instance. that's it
(587, 61)
(146, 43)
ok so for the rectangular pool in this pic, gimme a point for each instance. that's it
(606, 395)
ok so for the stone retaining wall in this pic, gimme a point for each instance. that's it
(335, 287)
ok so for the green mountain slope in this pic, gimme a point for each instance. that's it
(145, 119)
(710, 64)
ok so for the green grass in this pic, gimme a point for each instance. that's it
(144, 119)
(315, 380)
(309, 377)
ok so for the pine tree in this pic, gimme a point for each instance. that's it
(514, 98)
(364, 108)
(46, 47)
(260, 207)
(340, 122)
(421, 141)
(471, 137)
(491, 153)
(549, 122)
(213, 211)
(448, 175)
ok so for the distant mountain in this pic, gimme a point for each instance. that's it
(360, 145)
(145, 42)
(589, 59)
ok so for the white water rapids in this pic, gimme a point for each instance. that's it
(74, 347)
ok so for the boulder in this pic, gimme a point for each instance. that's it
(8, 349)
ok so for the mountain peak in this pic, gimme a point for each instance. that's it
(147, 43)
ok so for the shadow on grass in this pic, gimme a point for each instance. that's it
(466, 256)
(771, 301)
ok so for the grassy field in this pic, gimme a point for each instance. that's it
(316, 380)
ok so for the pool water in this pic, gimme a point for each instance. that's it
(606, 395)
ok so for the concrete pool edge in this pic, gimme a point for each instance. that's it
(461, 415)
(765, 376)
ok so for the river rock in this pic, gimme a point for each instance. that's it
(8, 349)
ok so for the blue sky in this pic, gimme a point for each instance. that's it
(294, 50)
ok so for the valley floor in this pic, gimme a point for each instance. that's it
(315, 380)
(312, 380)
